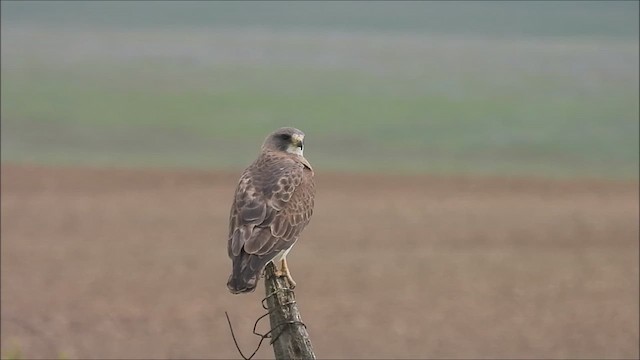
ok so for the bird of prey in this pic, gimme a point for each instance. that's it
(272, 205)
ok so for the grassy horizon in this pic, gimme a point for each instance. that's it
(377, 101)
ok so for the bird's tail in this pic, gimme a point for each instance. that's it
(246, 272)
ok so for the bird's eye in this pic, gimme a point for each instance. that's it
(285, 137)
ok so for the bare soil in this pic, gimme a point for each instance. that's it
(108, 263)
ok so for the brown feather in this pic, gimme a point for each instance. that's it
(272, 205)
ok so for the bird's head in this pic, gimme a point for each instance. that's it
(285, 139)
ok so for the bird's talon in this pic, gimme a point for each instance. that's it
(283, 274)
(292, 284)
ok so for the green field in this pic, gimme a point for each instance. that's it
(543, 88)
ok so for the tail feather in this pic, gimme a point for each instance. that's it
(246, 272)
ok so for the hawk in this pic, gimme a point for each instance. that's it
(272, 205)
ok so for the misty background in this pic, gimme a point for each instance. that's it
(528, 88)
(476, 166)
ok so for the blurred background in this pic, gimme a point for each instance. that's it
(476, 166)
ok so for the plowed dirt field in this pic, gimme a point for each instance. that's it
(110, 263)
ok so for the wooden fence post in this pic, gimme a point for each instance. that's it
(290, 339)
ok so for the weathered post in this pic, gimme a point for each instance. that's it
(290, 339)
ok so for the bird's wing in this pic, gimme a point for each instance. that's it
(272, 204)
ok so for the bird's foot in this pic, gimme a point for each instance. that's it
(285, 274)
(292, 284)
